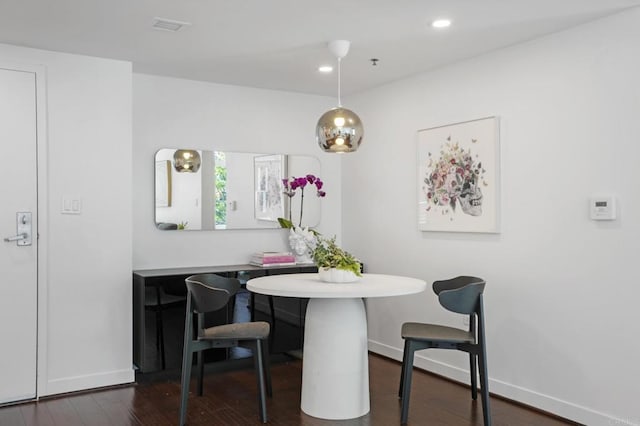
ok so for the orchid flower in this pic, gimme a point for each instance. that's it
(290, 187)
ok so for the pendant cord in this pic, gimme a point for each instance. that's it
(339, 102)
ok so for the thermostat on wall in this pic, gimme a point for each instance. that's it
(603, 208)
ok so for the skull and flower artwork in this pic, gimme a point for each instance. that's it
(453, 179)
(458, 177)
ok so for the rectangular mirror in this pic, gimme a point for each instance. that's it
(218, 190)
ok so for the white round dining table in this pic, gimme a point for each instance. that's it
(335, 366)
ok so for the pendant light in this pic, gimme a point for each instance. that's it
(339, 129)
(186, 161)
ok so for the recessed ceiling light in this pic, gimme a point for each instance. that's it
(441, 23)
(168, 24)
(325, 68)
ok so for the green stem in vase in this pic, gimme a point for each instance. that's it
(301, 205)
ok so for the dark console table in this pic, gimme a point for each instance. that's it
(289, 312)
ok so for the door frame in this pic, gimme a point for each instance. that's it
(42, 194)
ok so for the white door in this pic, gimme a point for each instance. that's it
(18, 262)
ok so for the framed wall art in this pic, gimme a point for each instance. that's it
(269, 170)
(459, 177)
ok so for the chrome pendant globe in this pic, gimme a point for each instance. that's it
(186, 161)
(339, 130)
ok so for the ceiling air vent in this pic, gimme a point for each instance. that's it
(168, 24)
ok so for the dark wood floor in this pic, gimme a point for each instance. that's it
(230, 400)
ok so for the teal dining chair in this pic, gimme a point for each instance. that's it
(462, 295)
(210, 293)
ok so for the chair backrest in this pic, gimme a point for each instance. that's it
(210, 292)
(461, 294)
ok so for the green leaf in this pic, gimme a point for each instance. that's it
(285, 223)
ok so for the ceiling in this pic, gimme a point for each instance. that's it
(279, 44)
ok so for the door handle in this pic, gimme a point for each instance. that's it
(23, 229)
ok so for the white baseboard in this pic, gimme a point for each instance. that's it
(525, 396)
(91, 381)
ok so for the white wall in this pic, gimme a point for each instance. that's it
(561, 296)
(175, 113)
(88, 286)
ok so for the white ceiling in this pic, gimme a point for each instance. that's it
(278, 44)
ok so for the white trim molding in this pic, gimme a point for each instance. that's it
(89, 381)
(509, 391)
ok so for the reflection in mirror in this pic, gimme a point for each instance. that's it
(231, 190)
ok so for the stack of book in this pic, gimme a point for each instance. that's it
(273, 258)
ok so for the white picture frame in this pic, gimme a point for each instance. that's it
(459, 177)
(269, 170)
(163, 183)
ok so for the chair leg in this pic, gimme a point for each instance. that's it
(187, 359)
(406, 381)
(232, 308)
(160, 331)
(404, 362)
(272, 311)
(259, 365)
(484, 386)
(200, 357)
(157, 330)
(474, 375)
(252, 306)
(267, 367)
(200, 372)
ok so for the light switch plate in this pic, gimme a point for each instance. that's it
(71, 205)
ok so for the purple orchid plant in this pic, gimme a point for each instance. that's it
(290, 188)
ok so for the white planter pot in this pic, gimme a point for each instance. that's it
(333, 275)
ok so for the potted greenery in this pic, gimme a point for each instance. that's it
(335, 264)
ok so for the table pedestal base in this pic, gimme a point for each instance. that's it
(335, 372)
